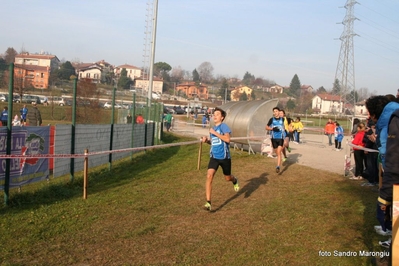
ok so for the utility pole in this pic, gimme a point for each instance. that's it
(345, 72)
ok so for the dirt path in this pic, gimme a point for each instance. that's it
(314, 150)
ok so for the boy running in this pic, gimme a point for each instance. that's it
(277, 129)
(220, 154)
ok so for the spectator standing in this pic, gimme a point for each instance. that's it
(391, 177)
(380, 109)
(24, 112)
(168, 121)
(329, 130)
(371, 161)
(139, 119)
(4, 116)
(339, 136)
(205, 120)
(34, 116)
(356, 122)
(298, 127)
(358, 153)
(129, 118)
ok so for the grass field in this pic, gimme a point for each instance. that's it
(148, 211)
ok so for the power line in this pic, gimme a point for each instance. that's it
(377, 41)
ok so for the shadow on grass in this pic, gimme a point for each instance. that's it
(99, 180)
(251, 186)
(292, 159)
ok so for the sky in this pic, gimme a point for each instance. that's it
(271, 39)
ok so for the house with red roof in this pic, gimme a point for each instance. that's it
(33, 70)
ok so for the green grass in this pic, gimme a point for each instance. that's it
(148, 211)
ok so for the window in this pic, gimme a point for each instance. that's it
(87, 75)
(42, 75)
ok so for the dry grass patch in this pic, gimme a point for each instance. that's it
(149, 212)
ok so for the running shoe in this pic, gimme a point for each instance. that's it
(236, 185)
(285, 159)
(385, 244)
(288, 149)
(208, 206)
(277, 169)
(384, 233)
(377, 227)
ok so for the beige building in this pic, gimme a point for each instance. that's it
(236, 93)
(91, 71)
(275, 89)
(157, 84)
(133, 72)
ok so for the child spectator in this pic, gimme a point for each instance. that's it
(339, 136)
(358, 153)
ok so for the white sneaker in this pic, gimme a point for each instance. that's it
(384, 233)
(356, 178)
(385, 244)
(377, 227)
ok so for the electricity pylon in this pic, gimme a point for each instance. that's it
(345, 72)
(147, 38)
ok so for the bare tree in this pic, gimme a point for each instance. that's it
(205, 71)
(177, 74)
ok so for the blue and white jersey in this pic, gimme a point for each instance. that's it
(23, 112)
(278, 131)
(219, 148)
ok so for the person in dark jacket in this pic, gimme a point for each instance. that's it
(4, 116)
(371, 158)
(391, 175)
(34, 116)
(380, 109)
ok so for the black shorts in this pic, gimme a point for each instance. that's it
(224, 163)
(277, 142)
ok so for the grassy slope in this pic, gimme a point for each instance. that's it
(149, 212)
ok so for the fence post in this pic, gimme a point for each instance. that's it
(85, 173)
(133, 122)
(72, 162)
(8, 148)
(112, 129)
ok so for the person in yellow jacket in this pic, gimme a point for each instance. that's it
(298, 127)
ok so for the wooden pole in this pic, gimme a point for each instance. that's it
(395, 226)
(199, 156)
(85, 173)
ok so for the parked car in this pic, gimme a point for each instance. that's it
(167, 110)
(3, 98)
(30, 99)
(56, 100)
(179, 110)
(108, 105)
(16, 98)
(156, 96)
